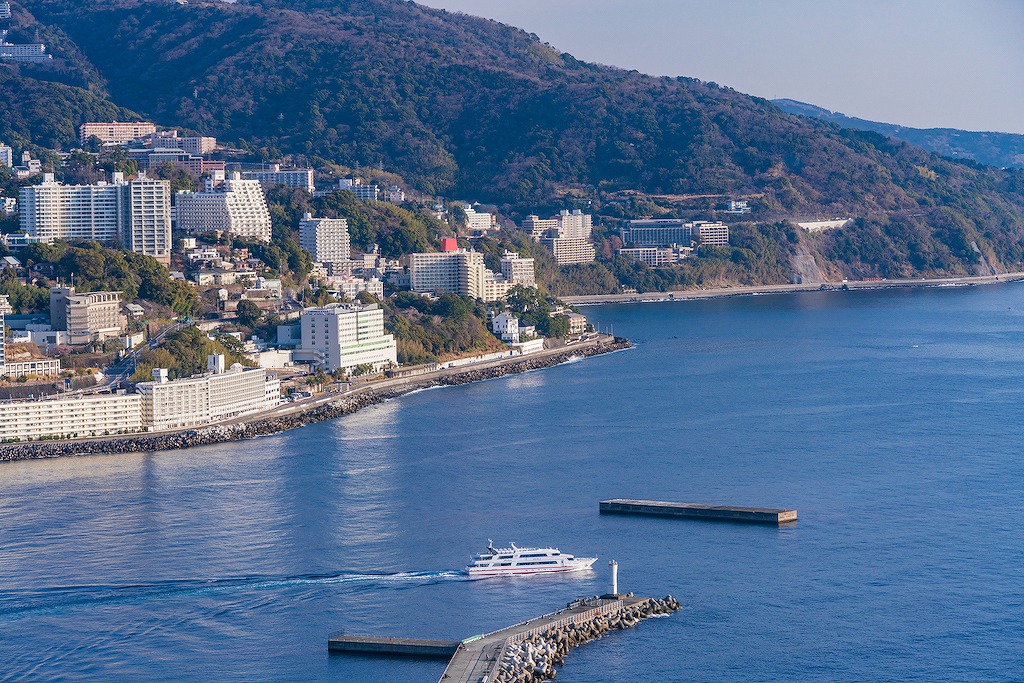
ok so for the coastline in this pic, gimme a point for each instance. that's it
(850, 285)
(317, 410)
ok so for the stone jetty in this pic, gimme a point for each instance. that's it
(535, 656)
(345, 404)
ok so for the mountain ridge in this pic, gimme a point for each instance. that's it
(992, 148)
(463, 106)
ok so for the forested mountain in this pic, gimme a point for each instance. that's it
(994, 149)
(468, 107)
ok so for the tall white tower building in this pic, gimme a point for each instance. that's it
(325, 238)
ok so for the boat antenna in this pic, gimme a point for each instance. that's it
(513, 545)
(490, 546)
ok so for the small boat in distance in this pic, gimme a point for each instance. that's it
(514, 561)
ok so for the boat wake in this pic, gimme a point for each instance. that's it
(16, 603)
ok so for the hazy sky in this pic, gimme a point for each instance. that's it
(923, 63)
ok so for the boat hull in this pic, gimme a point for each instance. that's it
(578, 565)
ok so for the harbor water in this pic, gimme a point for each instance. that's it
(892, 420)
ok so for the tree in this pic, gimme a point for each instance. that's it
(249, 314)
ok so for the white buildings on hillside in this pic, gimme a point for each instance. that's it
(228, 204)
(506, 327)
(478, 223)
(22, 52)
(6, 156)
(325, 238)
(364, 192)
(192, 144)
(666, 232)
(463, 272)
(291, 177)
(134, 213)
(344, 336)
(518, 269)
(115, 132)
(91, 316)
(567, 235)
(206, 399)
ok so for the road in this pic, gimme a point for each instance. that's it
(777, 289)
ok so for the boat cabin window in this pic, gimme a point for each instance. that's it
(504, 557)
(504, 564)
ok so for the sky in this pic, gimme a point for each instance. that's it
(920, 63)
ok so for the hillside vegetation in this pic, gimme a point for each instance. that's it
(467, 107)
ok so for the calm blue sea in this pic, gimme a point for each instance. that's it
(891, 420)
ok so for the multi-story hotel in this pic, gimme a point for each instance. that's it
(52, 211)
(84, 416)
(665, 232)
(325, 238)
(518, 269)
(168, 139)
(208, 398)
(567, 235)
(569, 250)
(458, 271)
(146, 227)
(301, 178)
(478, 222)
(343, 336)
(655, 257)
(713, 234)
(115, 132)
(6, 156)
(227, 204)
(135, 214)
(87, 316)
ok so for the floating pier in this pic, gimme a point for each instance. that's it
(523, 653)
(397, 647)
(724, 513)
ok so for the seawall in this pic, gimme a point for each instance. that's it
(345, 404)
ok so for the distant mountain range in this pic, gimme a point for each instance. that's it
(995, 149)
(471, 108)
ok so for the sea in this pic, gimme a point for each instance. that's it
(891, 420)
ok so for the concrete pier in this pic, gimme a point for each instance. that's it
(724, 513)
(521, 653)
(397, 647)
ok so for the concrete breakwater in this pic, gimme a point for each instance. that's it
(345, 404)
(534, 656)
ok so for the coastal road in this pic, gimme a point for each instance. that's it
(776, 289)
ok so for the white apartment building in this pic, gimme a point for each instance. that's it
(343, 336)
(364, 192)
(146, 227)
(567, 235)
(456, 271)
(228, 204)
(22, 52)
(87, 316)
(8, 206)
(301, 178)
(658, 232)
(135, 214)
(52, 211)
(325, 238)
(478, 222)
(574, 224)
(349, 286)
(713, 234)
(168, 139)
(84, 416)
(115, 132)
(208, 398)
(6, 156)
(5, 10)
(518, 269)
(539, 227)
(655, 257)
(570, 250)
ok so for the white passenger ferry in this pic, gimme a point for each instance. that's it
(516, 561)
